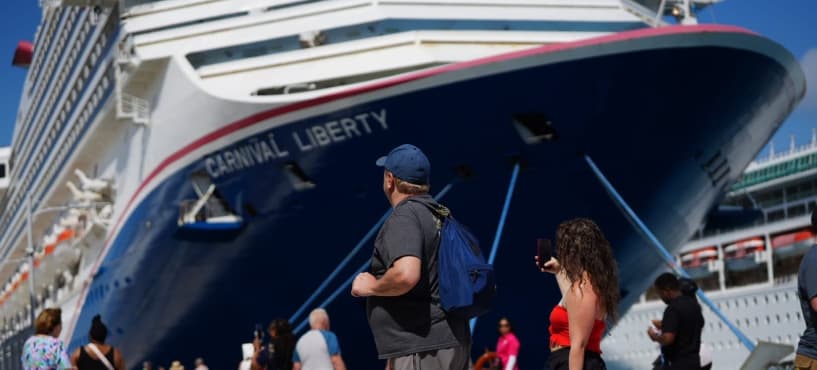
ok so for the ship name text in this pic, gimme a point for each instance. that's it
(265, 148)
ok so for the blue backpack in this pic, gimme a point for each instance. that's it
(467, 285)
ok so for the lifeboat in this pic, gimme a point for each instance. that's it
(57, 254)
(792, 244)
(696, 262)
(742, 255)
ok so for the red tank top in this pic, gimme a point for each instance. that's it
(560, 333)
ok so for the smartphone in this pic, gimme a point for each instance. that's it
(544, 250)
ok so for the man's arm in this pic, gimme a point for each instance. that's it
(808, 277)
(398, 280)
(337, 362)
(664, 339)
(669, 326)
(296, 366)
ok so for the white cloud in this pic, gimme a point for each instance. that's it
(809, 64)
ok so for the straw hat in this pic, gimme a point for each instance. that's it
(176, 365)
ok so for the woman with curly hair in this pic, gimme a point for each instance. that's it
(588, 279)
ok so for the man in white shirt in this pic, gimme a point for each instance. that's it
(200, 364)
(318, 349)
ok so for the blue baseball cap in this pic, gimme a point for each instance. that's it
(408, 163)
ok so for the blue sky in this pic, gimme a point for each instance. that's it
(793, 23)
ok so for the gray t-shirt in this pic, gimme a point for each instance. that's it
(414, 322)
(807, 289)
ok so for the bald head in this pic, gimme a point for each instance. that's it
(319, 319)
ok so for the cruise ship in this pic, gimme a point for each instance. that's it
(746, 262)
(188, 169)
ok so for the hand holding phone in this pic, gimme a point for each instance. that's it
(544, 251)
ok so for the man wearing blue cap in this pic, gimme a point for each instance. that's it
(410, 328)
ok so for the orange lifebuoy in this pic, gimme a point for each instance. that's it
(485, 359)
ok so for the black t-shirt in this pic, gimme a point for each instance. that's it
(414, 322)
(683, 317)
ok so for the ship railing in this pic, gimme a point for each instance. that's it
(783, 155)
(223, 17)
(780, 280)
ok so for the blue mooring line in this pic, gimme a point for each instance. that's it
(371, 233)
(501, 226)
(669, 259)
(348, 282)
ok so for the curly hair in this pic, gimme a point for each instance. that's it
(582, 248)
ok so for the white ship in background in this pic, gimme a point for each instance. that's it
(748, 265)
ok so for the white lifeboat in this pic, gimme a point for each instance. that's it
(696, 262)
(792, 244)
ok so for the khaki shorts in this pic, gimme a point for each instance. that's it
(802, 362)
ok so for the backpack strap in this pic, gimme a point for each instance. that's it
(100, 356)
(437, 209)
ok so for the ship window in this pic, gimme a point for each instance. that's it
(2, 170)
(346, 80)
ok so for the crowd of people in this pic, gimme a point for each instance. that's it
(412, 331)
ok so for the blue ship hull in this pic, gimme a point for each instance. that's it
(671, 127)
